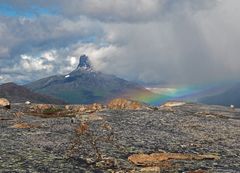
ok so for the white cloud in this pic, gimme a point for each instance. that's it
(31, 64)
(100, 56)
(50, 55)
(72, 60)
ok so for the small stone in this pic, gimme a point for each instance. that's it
(73, 120)
(27, 102)
(108, 162)
(89, 160)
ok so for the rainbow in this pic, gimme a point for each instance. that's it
(183, 93)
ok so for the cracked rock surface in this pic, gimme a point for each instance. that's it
(189, 129)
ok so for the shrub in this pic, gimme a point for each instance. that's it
(51, 110)
(87, 137)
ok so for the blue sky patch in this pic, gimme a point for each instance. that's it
(7, 10)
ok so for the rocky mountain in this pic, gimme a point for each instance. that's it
(84, 63)
(229, 97)
(20, 94)
(85, 85)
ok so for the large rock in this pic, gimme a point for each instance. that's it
(5, 103)
(121, 103)
(156, 158)
(173, 104)
(82, 109)
(41, 108)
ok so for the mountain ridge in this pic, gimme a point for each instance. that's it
(84, 85)
(230, 96)
(19, 94)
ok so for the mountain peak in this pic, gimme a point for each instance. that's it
(84, 63)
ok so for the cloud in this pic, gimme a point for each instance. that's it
(184, 47)
(46, 32)
(178, 42)
(44, 40)
(109, 10)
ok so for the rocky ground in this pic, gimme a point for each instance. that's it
(106, 140)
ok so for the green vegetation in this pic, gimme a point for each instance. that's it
(52, 110)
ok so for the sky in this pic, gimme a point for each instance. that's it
(152, 41)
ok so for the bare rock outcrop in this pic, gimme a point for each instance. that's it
(83, 109)
(121, 103)
(5, 103)
(156, 158)
(172, 104)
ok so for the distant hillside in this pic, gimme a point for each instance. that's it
(228, 97)
(84, 85)
(20, 94)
